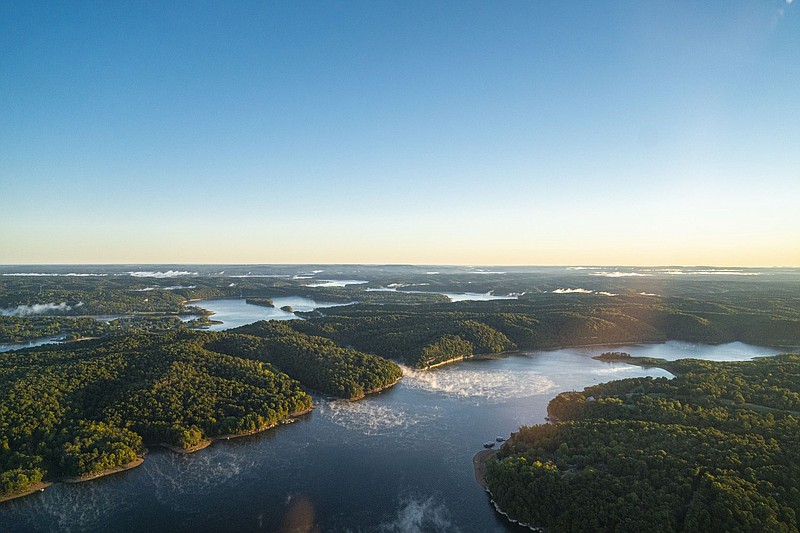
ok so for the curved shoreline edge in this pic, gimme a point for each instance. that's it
(479, 465)
(39, 487)
(523, 351)
(205, 443)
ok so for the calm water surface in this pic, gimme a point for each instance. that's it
(396, 461)
(454, 296)
(235, 312)
(30, 344)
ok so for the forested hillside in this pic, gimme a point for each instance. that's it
(316, 362)
(715, 449)
(82, 408)
(424, 335)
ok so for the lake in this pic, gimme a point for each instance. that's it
(454, 296)
(400, 460)
(236, 312)
(32, 343)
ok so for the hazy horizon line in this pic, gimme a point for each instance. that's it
(466, 265)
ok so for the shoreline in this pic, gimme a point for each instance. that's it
(479, 465)
(380, 389)
(376, 390)
(205, 443)
(41, 486)
(116, 470)
(38, 487)
(524, 351)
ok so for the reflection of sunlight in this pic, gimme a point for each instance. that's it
(471, 382)
(299, 516)
(367, 417)
(619, 369)
(337, 282)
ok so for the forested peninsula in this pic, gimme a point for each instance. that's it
(81, 409)
(717, 448)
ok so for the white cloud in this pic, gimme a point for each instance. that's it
(167, 274)
(582, 291)
(172, 288)
(572, 291)
(38, 309)
(617, 274)
(40, 274)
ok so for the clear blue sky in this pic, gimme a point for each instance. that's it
(421, 132)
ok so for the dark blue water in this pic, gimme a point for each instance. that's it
(397, 461)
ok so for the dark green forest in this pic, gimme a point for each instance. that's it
(79, 409)
(427, 334)
(717, 448)
(316, 362)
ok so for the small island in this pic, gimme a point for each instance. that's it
(613, 357)
(263, 302)
(287, 308)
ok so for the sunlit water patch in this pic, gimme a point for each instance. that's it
(476, 296)
(617, 371)
(453, 296)
(337, 282)
(485, 383)
(32, 343)
(368, 417)
(731, 351)
(237, 312)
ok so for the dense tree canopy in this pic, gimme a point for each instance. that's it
(316, 362)
(715, 449)
(81, 408)
(77, 409)
(424, 335)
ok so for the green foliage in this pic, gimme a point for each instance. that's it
(97, 446)
(315, 361)
(418, 336)
(82, 408)
(18, 480)
(427, 334)
(263, 302)
(714, 449)
(18, 329)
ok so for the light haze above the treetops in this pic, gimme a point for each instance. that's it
(415, 132)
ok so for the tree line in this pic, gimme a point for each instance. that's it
(717, 448)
